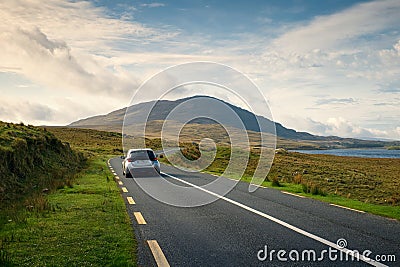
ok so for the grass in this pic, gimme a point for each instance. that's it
(89, 142)
(389, 211)
(33, 159)
(81, 219)
(85, 224)
(370, 185)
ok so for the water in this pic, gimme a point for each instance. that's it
(362, 153)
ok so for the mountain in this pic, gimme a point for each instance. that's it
(210, 107)
(162, 108)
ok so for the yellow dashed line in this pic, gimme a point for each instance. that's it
(130, 200)
(157, 253)
(124, 190)
(139, 218)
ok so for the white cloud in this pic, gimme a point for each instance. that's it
(26, 110)
(53, 64)
(152, 5)
(78, 23)
(340, 45)
(344, 128)
(342, 28)
(333, 66)
(336, 101)
(67, 48)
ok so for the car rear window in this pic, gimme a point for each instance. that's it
(142, 155)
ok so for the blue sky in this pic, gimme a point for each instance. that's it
(326, 67)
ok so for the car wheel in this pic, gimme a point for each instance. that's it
(128, 174)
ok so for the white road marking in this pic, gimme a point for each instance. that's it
(285, 224)
(116, 177)
(360, 211)
(157, 253)
(139, 218)
(296, 195)
(124, 189)
(120, 183)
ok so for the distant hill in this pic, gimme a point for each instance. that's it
(161, 109)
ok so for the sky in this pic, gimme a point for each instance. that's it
(325, 67)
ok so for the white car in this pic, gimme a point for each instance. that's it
(140, 161)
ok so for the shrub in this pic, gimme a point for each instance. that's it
(297, 179)
(275, 182)
(4, 258)
(313, 189)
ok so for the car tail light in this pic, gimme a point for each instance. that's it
(129, 160)
(155, 159)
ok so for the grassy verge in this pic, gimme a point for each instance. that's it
(370, 185)
(389, 211)
(69, 217)
(84, 224)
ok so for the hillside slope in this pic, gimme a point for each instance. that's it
(292, 139)
(33, 159)
(161, 109)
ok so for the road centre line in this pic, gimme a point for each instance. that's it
(139, 217)
(130, 200)
(157, 253)
(285, 224)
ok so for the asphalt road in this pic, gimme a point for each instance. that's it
(264, 228)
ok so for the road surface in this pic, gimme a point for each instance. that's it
(264, 228)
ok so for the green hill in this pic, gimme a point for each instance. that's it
(33, 160)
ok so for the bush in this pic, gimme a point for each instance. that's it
(4, 258)
(275, 182)
(298, 178)
(313, 189)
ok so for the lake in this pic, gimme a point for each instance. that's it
(363, 153)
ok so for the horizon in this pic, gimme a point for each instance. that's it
(329, 69)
